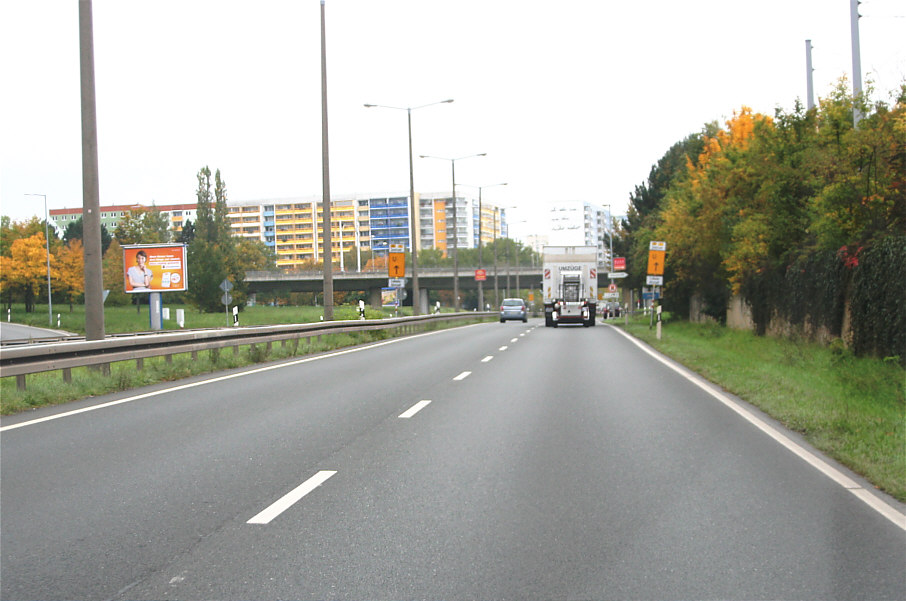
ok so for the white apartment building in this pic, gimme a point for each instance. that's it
(580, 223)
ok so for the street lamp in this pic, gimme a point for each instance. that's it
(416, 225)
(455, 232)
(47, 248)
(481, 283)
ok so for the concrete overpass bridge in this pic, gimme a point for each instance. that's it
(430, 278)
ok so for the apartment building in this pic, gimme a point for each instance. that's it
(113, 215)
(292, 227)
(580, 223)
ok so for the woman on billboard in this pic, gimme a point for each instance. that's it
(140, 274)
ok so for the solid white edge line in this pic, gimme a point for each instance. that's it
(414, 409)
(463, 375)
(291, 498)
(816, 462)
(222, 378)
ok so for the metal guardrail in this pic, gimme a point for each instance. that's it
(54, 354)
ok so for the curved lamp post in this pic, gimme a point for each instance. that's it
(47, 248)
(415, 225)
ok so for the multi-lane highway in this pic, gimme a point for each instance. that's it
(497, 461)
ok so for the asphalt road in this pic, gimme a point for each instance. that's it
(15, 331)
(548, 463)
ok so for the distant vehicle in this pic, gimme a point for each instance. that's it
(569, 284)
(513, 308)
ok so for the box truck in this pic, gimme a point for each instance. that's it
(569, 284)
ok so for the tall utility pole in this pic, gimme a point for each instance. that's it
(809, 72)
(91, 201)
(455, 224)
(413, 204)
(857, 60)
(480, 221)
(325, 163)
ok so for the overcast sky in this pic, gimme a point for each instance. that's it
(571, 100)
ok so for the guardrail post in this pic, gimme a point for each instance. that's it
(168, 359)
(139, 364)
(20, 382)
(67, 375)
(194, 355)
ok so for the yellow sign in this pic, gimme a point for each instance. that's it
(396, 265)
(657, 255)
(656, 262)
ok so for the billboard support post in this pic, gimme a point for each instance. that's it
(155, 311)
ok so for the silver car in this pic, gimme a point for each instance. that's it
(513, 308)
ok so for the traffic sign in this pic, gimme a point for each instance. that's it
(615, 275)
(654, 280)
(619, 263)
(226, 285)
(657, 253)
(481, 275)
(396, 282)
(396, 264)
(226, 299)
(612, 287)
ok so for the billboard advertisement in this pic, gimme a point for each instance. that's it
(390, 297)
(154, 268)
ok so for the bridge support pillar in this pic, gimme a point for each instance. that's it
(374, 298)
(422, 301)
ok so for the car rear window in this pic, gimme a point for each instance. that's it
(512, 303)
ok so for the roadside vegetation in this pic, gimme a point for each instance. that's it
(851, 408)
(49, 388)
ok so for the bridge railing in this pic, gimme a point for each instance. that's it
(64, 355)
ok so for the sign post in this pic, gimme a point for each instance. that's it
(657, 257)
(227, 298)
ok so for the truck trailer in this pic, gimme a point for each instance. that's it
(569, 284)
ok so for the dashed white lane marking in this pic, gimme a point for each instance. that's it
(514, 340)
(222, 378)
(503, 348)
(816, 462)
(414, 409)
(463, 376)
(488, 358)
(291, 498)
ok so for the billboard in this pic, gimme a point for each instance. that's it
(154, 268)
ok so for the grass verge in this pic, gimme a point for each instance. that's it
(851, 408)
(48, 388)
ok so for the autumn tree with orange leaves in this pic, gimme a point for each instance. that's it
(24, 271)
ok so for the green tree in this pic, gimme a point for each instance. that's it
(143, 226)
(115, 276)
(73, 231)
(212, 255)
